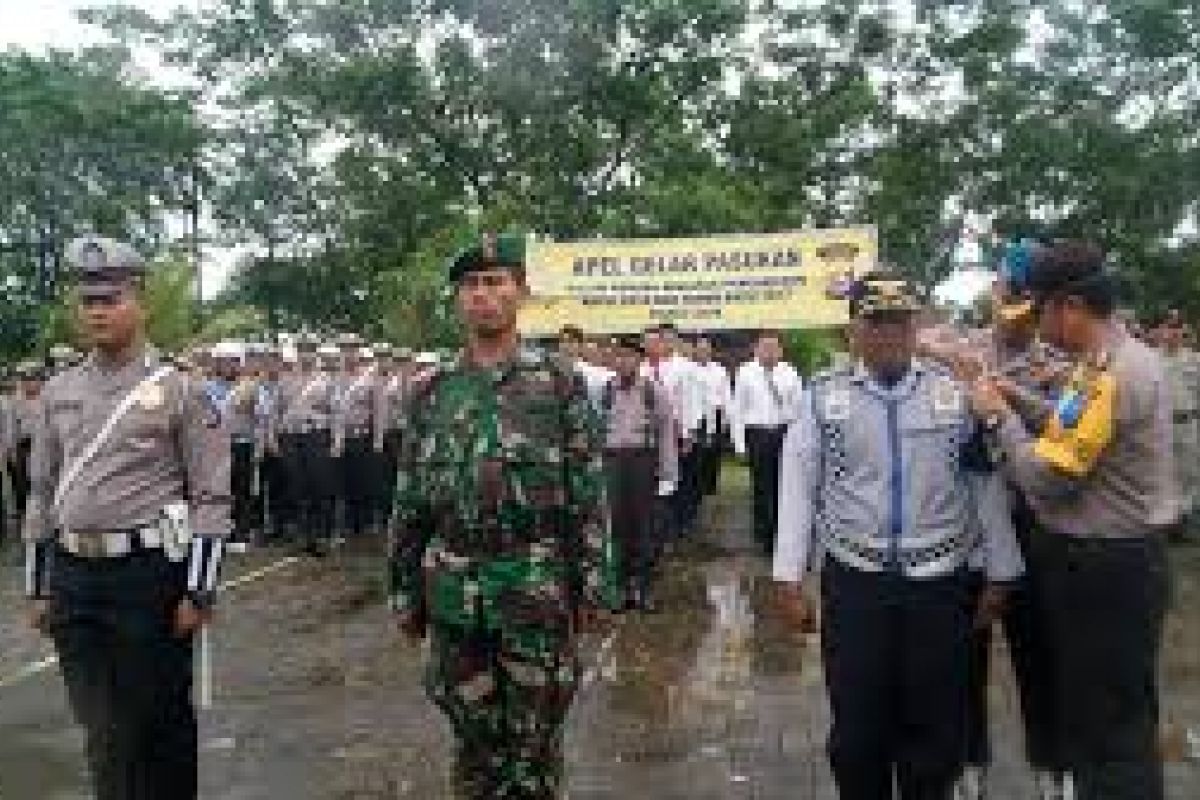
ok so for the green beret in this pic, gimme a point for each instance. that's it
(503, 251)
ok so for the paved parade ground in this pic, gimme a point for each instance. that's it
(317, 698)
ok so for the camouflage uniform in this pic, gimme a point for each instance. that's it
(500, 537)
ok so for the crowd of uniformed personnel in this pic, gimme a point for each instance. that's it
(939, 478)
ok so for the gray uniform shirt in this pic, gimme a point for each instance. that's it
(630, 424)
(390, 393)
(355, 410)
(242, 410)
(305, 402)
(170, 447)
(878, 478)
(1131, 489)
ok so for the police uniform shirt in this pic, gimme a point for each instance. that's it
(390, 393)
(305, 402)
(1122, 485)
(242, 410)
(18, 416)
(170, 447)
(628, 420)
(355, 413)
(754, 402)
(886, 479)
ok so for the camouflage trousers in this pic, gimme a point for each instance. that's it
(506, 693)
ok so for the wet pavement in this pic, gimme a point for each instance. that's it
(317, 698)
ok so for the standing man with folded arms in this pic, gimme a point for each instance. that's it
(125, 530)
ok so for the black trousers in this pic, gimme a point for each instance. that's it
(18, 473)
(388, 461)
(1105, 604)
(710, 457)
(1024, 627)
(359, 470)
(895, 653)
(309, 472)
(632, 479)
(128, 678)
(241, 480)
(685, 503)
(763, 445)
(274, 499)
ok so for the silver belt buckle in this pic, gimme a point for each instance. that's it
(97, 545)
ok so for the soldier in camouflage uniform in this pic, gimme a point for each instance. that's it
(500, 547)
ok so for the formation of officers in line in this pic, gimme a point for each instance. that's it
(938, 480)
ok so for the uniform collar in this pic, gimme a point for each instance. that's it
(525, 357)
(143, 360)
(862, 377)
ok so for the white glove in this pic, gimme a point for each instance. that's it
(666, 488)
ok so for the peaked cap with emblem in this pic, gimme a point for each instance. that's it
(883, 293)
(491, 251)
(104, 266)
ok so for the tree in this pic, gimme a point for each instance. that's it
(83, 149)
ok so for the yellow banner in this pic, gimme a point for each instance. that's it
(779, 280)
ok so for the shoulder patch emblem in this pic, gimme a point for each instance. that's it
(151, 397)
(947, 400)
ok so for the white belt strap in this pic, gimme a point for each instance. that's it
(94, 446)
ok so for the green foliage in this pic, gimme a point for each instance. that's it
(810, 351)
(362, 139)
(83, 148)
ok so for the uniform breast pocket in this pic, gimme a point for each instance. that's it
(934, 439)
(146, 430)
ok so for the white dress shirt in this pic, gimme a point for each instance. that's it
(717, 393)
(594, 378)
(754, 404)
(680, 379)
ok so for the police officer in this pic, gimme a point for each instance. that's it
(273, 495)
(885, 467)
(355, 425)
(1032, 368)
(242, 415)
(6, 445)
(395, 372)
(1183, 372)
(16, 440)
(302, 435)
(500, 542)
(127, 515)
(641, 462)
(1099, 476)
